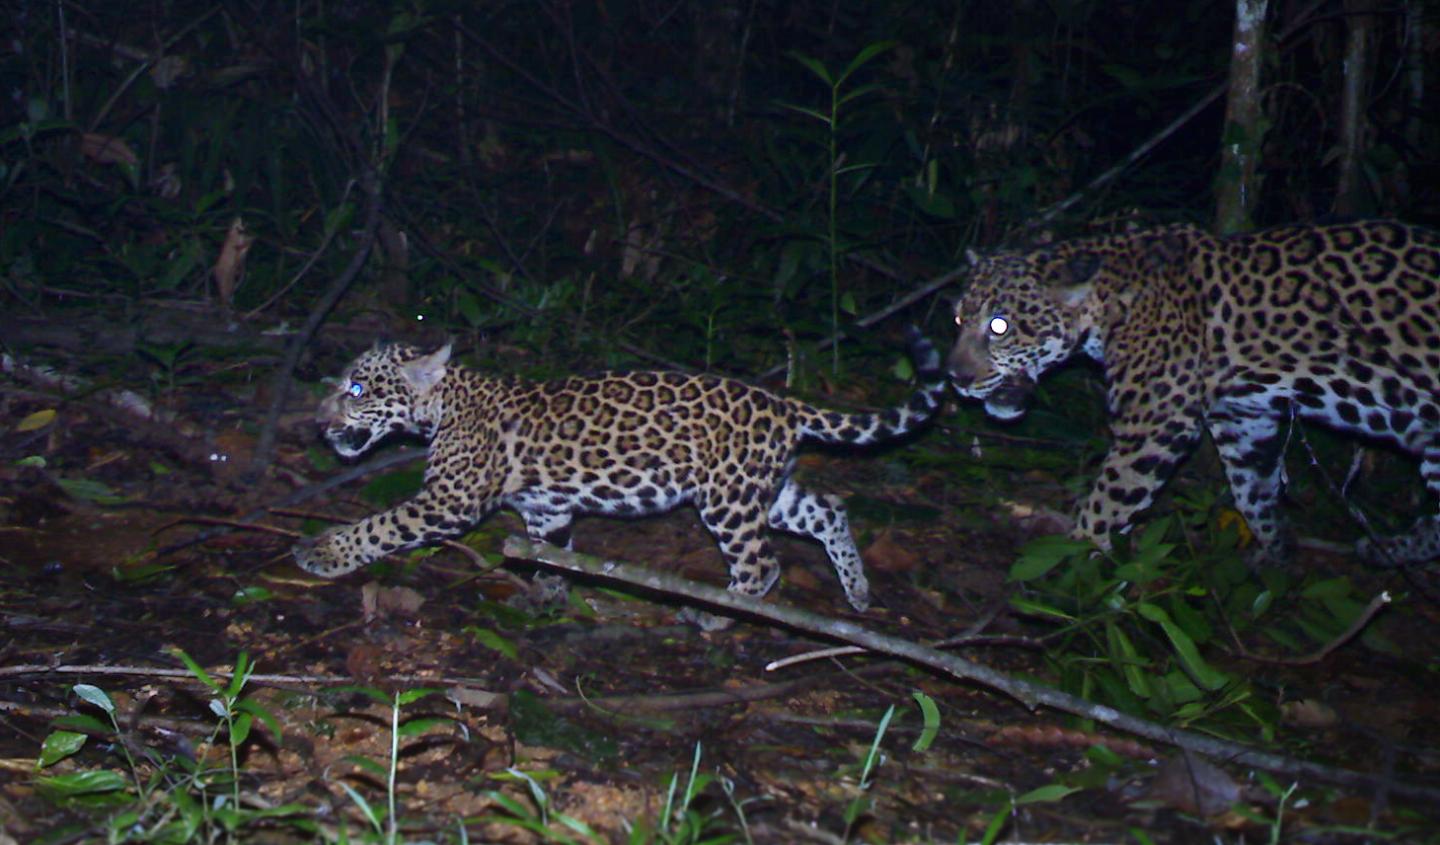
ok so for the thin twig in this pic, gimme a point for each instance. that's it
(384, 461)
(310, 261)
(1315, 657)
(371, 187)
(42, 669)
(970, 636)
(1031, 694)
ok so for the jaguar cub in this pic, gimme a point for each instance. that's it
(1339, 324)
(619, 444)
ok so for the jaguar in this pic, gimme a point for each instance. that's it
(618, 444)
(1239, 335)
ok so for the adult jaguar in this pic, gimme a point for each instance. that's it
(1337, 323)
(623, 444)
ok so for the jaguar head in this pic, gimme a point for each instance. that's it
(1020, 316)
(385, 391)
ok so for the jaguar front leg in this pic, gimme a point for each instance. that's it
(426, 519)
(1422, 542)
(1140, 460)
(553, 527)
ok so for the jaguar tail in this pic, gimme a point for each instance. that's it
(860, 429)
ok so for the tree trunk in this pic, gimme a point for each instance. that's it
(1352, 197)
(1237, 186)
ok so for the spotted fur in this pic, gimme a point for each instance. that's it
(1339, 324)
(617, 444)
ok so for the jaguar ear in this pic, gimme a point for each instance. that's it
(1073, 297)
(1165, 252)
(426, 371)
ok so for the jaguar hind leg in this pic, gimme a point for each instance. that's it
(547, 589)
(823, 518)
(1421, 543)
(1251, 448)
(739, 529)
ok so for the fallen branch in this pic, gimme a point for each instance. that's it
(285, 681)
(1031, 694)
(1324, 651)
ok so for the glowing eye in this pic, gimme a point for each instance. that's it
(355, 389)
(999, 326)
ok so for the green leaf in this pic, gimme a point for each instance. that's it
(239, 676)
(1046, 794)
(365, 808)
(1184, 647)
(823, 118)
(1122, 650)
(933, 203)
(1331, 588)
(59, 745)
(580, 827)
(393, 487)
(37, 420)
(815, 67)
(90, 491)
(413, 695)
(847, 303)
(196, 669)
(83, 723)
(493, 640)
(417, 726)
(96, 696)
(931, 715)
(251, 595)
(240, 729)
(864, 56)
(265, 716)
(80, 783)
(1043, 554)
(1035, 608)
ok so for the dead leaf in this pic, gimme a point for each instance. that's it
(886, 555)
(37, 420)
(362, 663)
(165, 71)
(478, 699)
(1308, 713)
(1193, 785)
(229, 268)
(377, 601)
(107, 149)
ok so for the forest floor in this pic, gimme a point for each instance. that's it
(587, 714)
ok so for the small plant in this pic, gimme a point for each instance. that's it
(538, 817)
(166, 798)
(384, 821)
(1135, 623)
(170, 359)
(835, 166)
(861, 804)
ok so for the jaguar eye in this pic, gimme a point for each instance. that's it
(355, 389)
(999, 326)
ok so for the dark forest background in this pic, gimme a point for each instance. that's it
(704, 183)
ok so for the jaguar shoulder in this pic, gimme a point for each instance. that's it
(623, 444)
(1337, 323)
